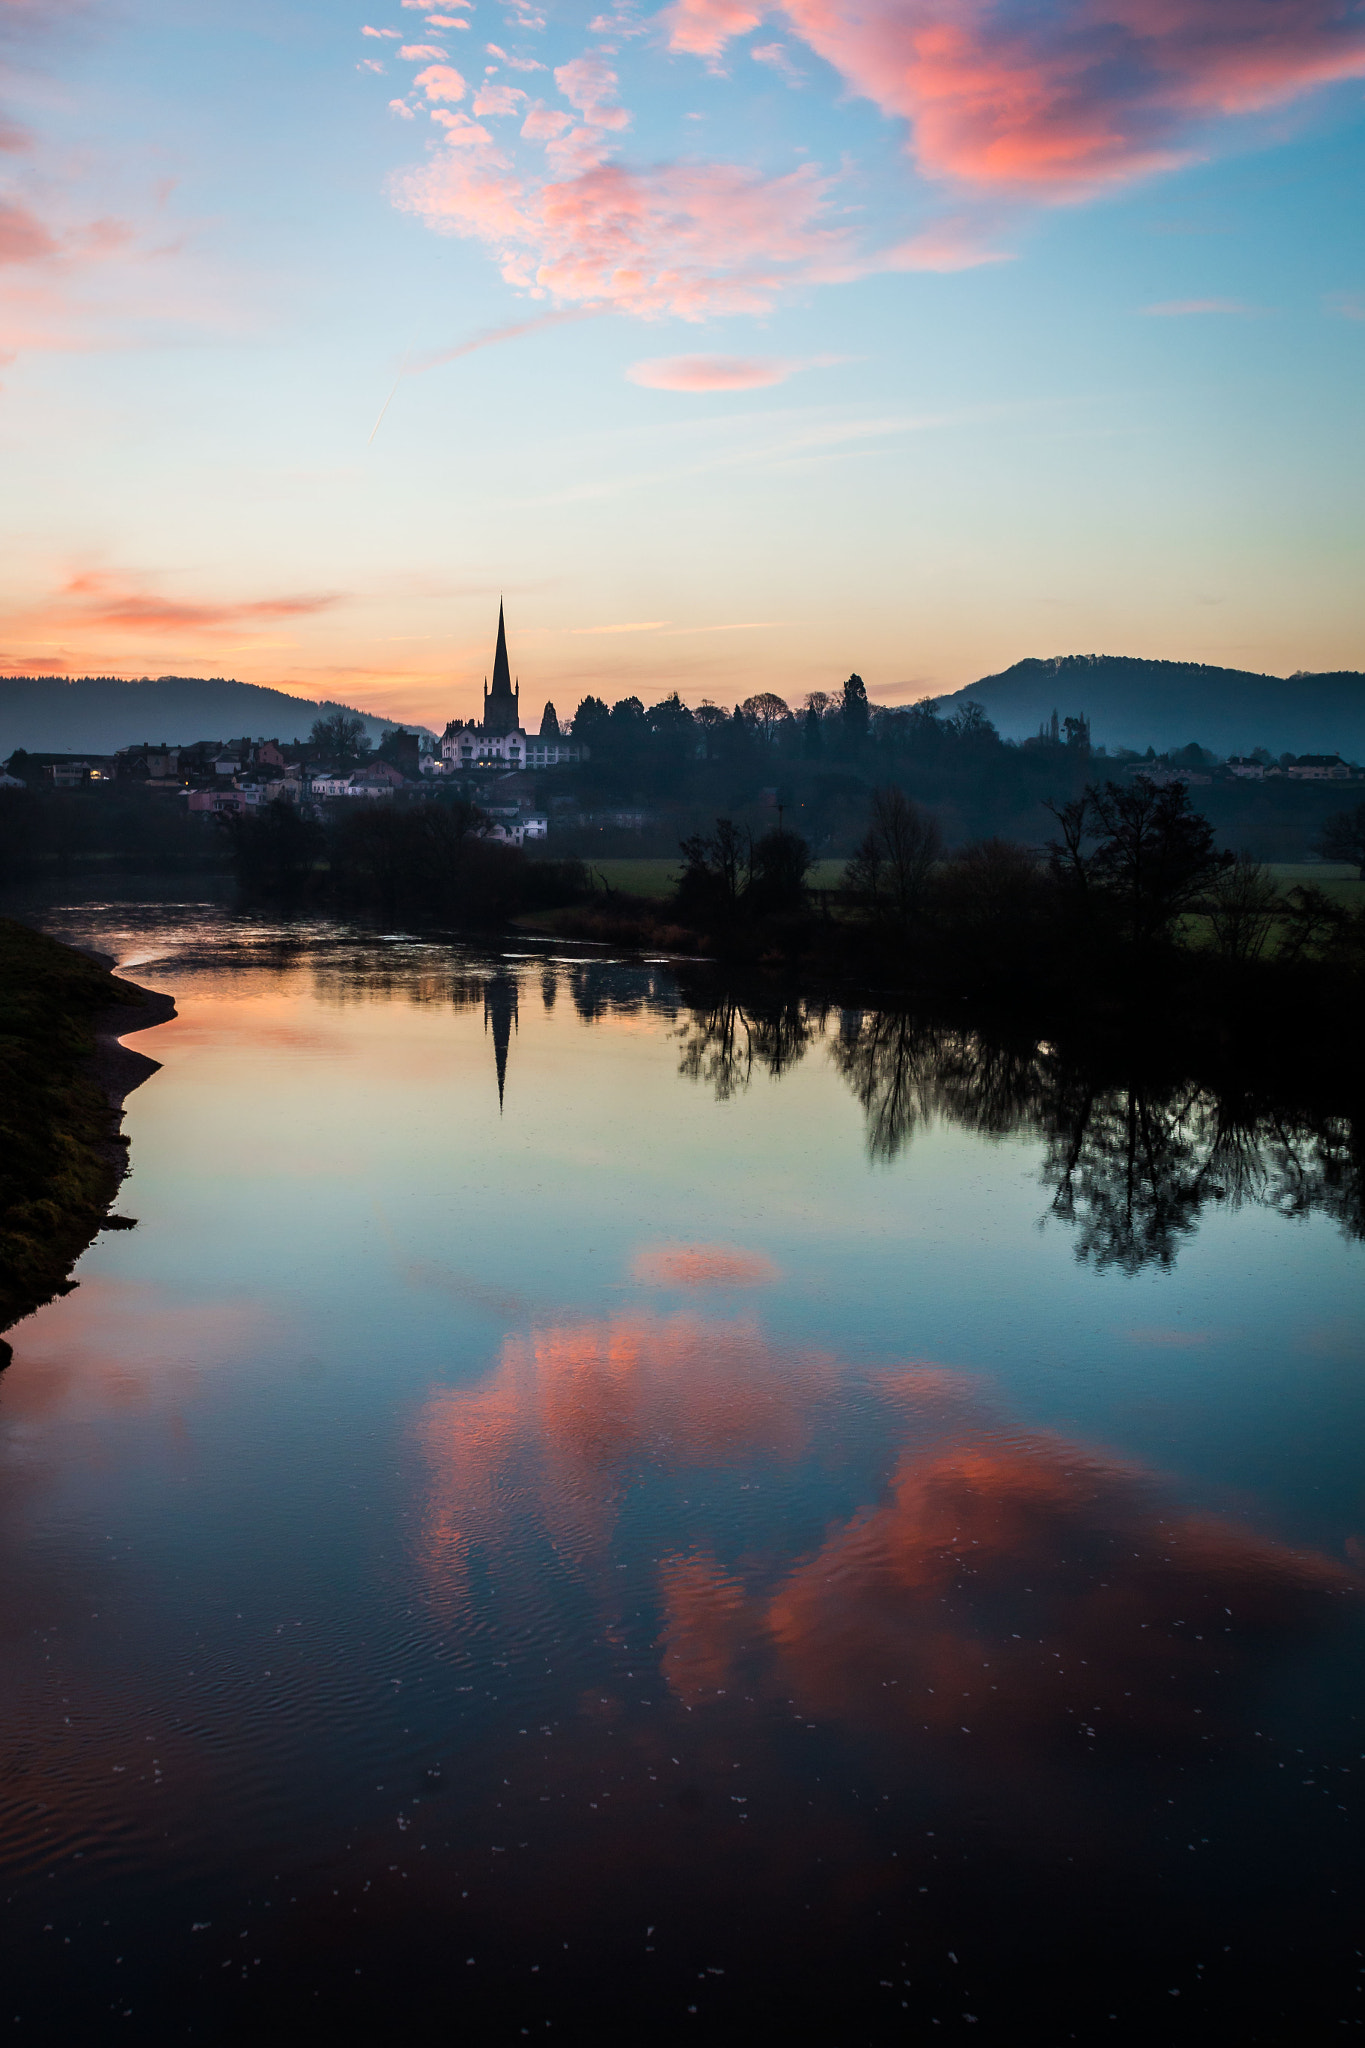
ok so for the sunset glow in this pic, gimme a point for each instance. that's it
(931, 337)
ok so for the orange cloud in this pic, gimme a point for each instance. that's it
(702, 1265)
(114, 603)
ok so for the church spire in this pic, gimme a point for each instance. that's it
(501, 704)
(502, 676)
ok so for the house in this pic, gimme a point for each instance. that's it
(218, 803)
(157, 767)
(1318, 768)
(360, 784)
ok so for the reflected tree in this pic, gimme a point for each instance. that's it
(724, 1039)
(1131, 1167)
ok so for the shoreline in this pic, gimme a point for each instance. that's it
(65, 1077)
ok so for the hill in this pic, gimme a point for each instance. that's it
(99, 714)
(1163, 704)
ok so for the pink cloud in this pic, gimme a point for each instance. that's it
(543, 124)
(687, 239)
(370, 64)
(704, 27)
(946, 246)
(419, 53)
(1176, 308)
(23, 238)
(445, 21)
(774, 55)
(382, 34)
(711, 373)
(590, 85)
(441, 82)
(1063, 100)
(498, 99)
(402, 107)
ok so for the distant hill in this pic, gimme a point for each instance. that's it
(1164, 704)
(99, 714)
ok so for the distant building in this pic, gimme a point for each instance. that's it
(1318, 768)
(63, 771)
(499, 740)
(363, 783)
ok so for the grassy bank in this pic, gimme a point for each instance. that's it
(60, 1153)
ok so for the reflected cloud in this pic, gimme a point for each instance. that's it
(560, 1431)
(702, 1265)
(1021, 1594)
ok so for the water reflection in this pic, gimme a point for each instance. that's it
(1131, 1166)
(551, 1550)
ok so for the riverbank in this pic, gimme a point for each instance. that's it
(64, 1078)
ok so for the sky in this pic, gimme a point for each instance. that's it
(735, 346)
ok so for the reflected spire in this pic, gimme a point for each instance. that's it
(500, 1005)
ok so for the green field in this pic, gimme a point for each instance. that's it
(656, 878)
(1336, 879)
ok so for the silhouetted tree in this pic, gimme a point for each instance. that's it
(891, 869)
(766, 712)
(855, 711)
(1242, 907)
(549, 723)
(1155, 857)
(716, 871)
(1343, 838)
(778, 866)
(339, 739)
(590, 720)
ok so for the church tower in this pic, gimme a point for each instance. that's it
(501, 704)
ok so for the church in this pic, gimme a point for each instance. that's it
(499, 740)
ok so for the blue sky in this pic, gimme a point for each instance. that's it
(912, 338)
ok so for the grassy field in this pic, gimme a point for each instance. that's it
(656, 878)
(1340, 882)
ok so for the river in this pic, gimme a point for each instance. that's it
(585, 1511)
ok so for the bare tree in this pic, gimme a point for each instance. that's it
(766, 712)
(1243, 907)
(1343, 838)
(340, 739)
(891, 869)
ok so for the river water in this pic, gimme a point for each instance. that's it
(585, 1511)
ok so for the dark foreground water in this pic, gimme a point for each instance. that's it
(782, 1527)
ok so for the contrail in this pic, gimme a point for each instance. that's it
(467, 348)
